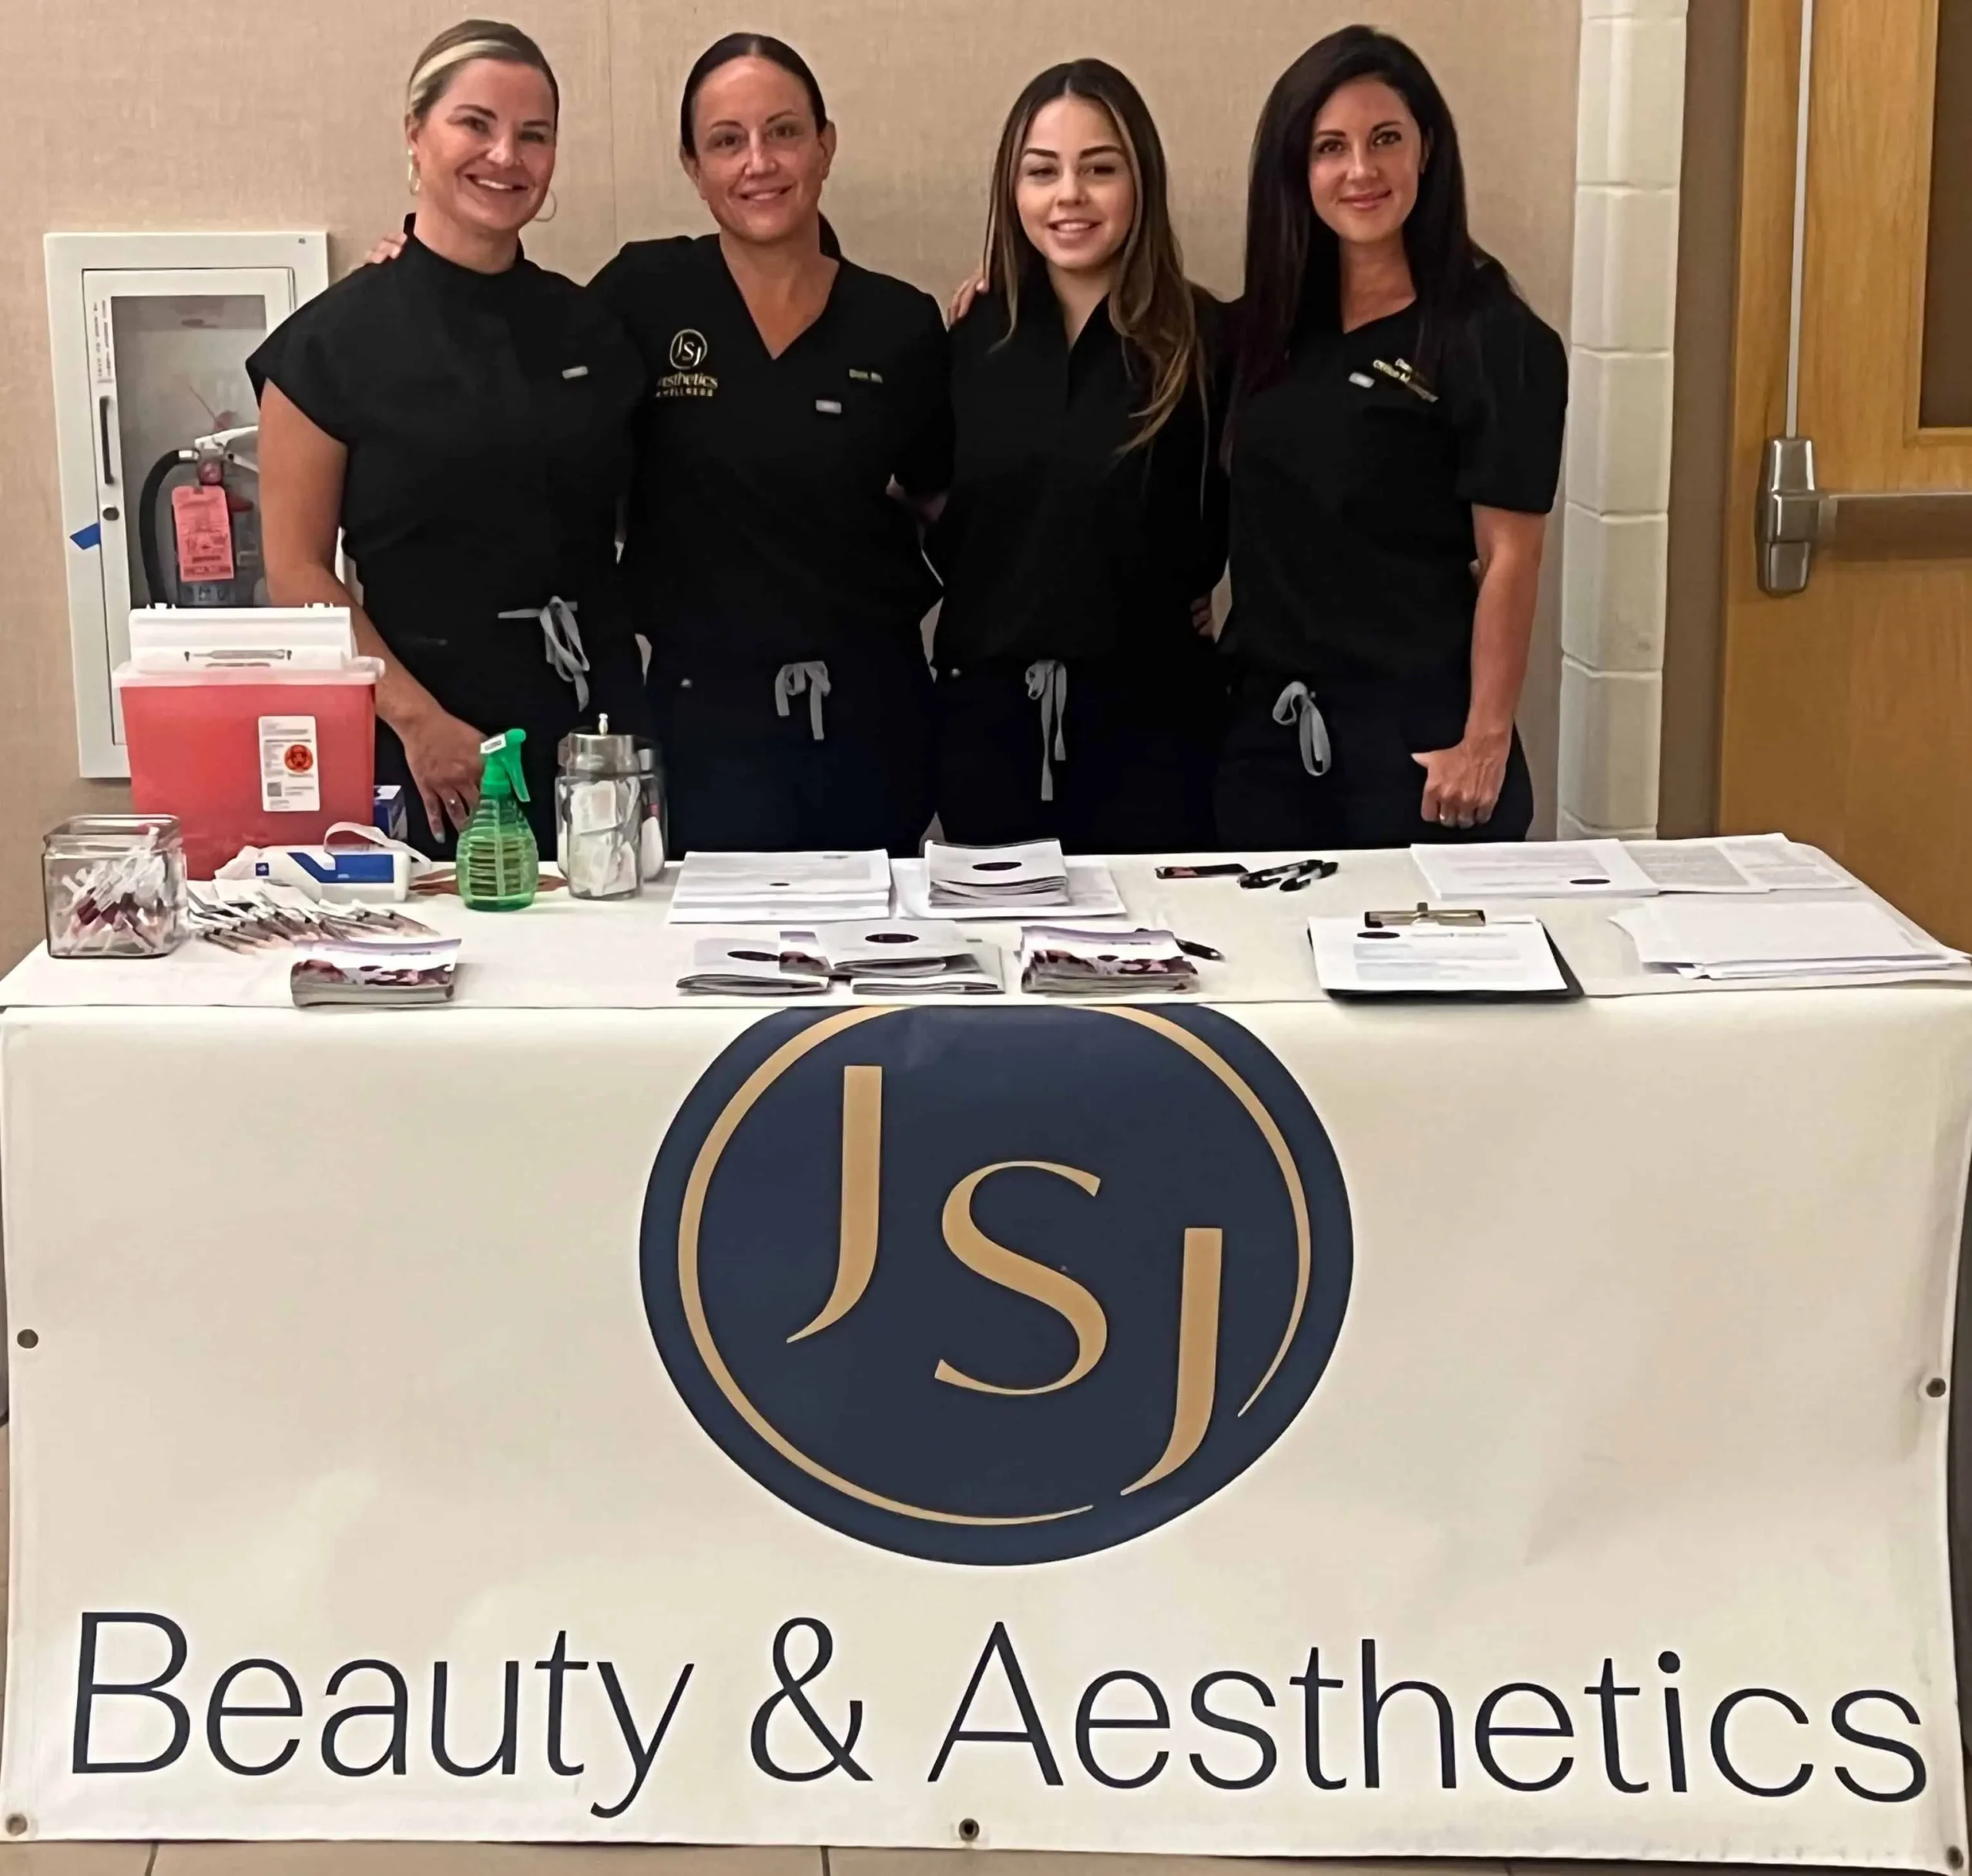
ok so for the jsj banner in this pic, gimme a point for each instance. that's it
(1489, 1431)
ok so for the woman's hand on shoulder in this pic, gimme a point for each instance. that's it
(387, 249)
(968, 290)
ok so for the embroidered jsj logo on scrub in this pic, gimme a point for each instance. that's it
(688, 351)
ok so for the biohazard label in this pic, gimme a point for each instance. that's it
(290, 765)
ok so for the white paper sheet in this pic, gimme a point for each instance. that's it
(1503, 955)
(740, 889)
(1779, 865)
(1807, 939)
(1530, 869)
(1691, 866)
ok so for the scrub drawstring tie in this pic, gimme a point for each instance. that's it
(1296, 705)
(791, 679)
(563, 641)
(1048, 686)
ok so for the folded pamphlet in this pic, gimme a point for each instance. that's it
(1065, 961)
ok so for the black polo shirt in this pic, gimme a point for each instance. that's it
(761, 530)
(1058, 541)
(1353, 491)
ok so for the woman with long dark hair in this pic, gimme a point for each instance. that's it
(778, 573)
(1395, 440)
(1086, 521)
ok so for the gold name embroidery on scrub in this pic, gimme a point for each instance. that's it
(866, 377)
(1405, 374)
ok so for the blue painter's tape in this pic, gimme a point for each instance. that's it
(89, 537)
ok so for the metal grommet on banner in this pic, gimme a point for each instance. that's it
(28, 1339)
(17, 1825)
(1954, 1856)
(968, 1830)
(1935, 1387)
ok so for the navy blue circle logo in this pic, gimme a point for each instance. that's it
(996, 1286)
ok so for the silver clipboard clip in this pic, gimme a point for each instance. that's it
(1425, 914)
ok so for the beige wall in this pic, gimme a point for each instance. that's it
(277, 113)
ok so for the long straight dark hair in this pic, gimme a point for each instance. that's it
(1151, 305)
(1293, 258)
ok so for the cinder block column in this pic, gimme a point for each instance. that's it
(1628, 156)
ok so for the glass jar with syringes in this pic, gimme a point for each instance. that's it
(113, 886)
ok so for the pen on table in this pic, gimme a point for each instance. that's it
(1322, 869)
(1192, 948)
(1294, 869)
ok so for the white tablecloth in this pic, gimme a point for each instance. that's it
(563, 954)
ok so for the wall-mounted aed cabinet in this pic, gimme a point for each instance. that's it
(150, 334)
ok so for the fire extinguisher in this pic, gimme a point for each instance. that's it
(215, 529)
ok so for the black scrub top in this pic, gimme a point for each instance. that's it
(1058, 541)
(760, 527)
(1353, 492)
(488, 420)
(761, 531)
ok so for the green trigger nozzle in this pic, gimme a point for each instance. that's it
(502, 774)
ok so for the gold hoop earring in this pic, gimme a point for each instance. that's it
(410, 166)
(554, 209)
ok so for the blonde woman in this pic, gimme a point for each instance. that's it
(1077, 695)
(464, 417)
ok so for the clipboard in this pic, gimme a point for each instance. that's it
(1464, 918)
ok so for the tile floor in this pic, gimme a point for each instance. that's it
(535, 1860)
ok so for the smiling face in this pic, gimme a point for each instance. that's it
(1364, 158)
(1076, 195)
(760, 158)
(485, 152)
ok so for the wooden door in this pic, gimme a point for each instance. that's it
(1847, 713)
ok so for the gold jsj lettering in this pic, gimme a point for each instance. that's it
(858, 1229)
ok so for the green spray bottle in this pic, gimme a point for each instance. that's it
(498, 863)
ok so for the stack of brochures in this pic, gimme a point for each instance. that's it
(739, 889)
(750, 968)
(897, 957)
(1032, 874)
(887, 958)
(394, 973)
(1732, 940)
(1065, 961)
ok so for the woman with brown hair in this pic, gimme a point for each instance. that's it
(1078, 693)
